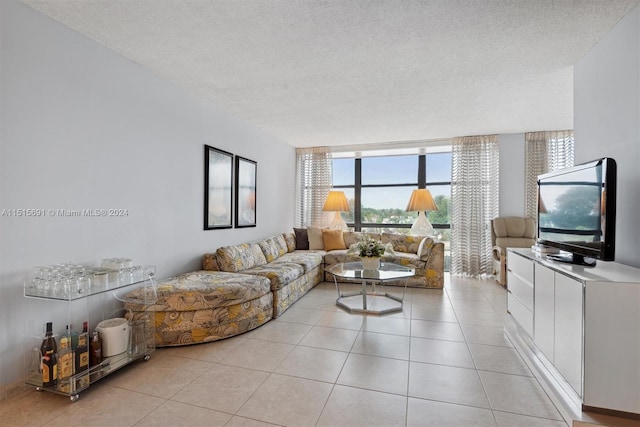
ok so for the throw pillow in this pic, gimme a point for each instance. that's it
(425, 248)
(315, 238)
(290, 240)
(333, 239)
(302, 238)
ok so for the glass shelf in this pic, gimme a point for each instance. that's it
(100, 280)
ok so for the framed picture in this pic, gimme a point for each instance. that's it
(246, 171)
(218, 188)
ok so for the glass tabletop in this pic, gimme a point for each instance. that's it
(387, 271)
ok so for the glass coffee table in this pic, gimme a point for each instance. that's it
(371, 301)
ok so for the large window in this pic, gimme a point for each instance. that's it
(379, 187)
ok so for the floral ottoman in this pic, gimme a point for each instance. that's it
(206, 306)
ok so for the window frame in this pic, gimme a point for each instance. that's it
(357, 187)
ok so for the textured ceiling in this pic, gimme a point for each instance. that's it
(331, 72)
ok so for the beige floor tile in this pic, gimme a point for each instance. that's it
(318, 303)
(451, 353)
(161, 376)
(387, 325)
(330, 338)
(505, 419)
(353, 407)
(341, 319)
(247, 422)
(258, 354)
(431, 312)
(302, 316)
(436, 330)
(498, 359)
(473, 306)
(222, 388)
(383, 345)
(429, 413)
(483, 318)
(180, 414)
(287, 401)
(446, 384)
(104, 405)
(208, 352)
(313, 363)
(488, 335)
(288, 333)
(518, 394)
(375, 373)
(31, 408)
(470, 294)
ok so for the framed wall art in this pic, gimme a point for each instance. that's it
(218, 188)
(246, 172)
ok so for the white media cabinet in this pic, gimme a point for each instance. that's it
(582, 325)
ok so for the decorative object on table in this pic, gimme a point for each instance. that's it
(218, 188)
(246, 172)
(336, 202)
(421, 201)
(370, 252)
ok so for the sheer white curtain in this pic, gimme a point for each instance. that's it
(314, 179)
(474, 203)
(545, 152)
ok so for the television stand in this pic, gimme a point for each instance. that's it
(573, 259)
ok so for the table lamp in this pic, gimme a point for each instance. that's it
(336, 202)
(421, 201)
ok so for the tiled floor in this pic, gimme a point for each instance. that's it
(443, 361)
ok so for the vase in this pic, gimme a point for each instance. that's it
(370, 262)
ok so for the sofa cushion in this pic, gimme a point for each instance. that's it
(279, 273)
(202, 290)
(514, 226)
(308, 260)
(405, 259)
(290, 240)
(402, 242)
(315, 238)
(302, 238)
(332, 240)
(240, 257)
(353, 237)
(338, 256)
(273, 247)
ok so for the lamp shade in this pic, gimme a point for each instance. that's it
(336, 202)
(421, 201)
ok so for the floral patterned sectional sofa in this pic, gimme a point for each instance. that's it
(244, 286)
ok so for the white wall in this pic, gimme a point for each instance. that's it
(607, 122)
(86, 128)
(512, 175)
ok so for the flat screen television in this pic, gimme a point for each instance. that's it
(577, 212)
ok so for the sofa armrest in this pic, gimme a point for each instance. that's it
(210, 262)
(434, 264)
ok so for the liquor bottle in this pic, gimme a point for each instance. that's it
(74, 338)
(95, 355)
(48, 351)
(65, 364)
(82, 357)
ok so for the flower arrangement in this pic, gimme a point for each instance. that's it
(369, 247)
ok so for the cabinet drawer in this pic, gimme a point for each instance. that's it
(521, 289)
(520, 266)
(520, 313)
